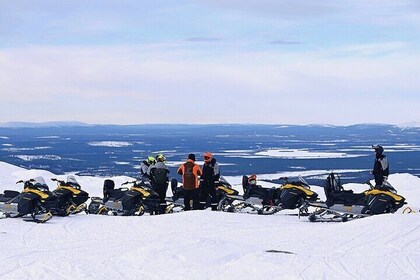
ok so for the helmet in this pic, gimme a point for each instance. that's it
(252, 180)
(160, 157)
(151, 160)
(378, 149)
(207, 157)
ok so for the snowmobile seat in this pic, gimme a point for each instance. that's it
(332, 185)
(336, 194)
(10, 194)
(4, 198)
(117, 193)
(346, 198)
(257, 191)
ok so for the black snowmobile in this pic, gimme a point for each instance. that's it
(343, 205)
(266, 201)
(177, 199)
(70, 197)
(133, 201)
(33, 203)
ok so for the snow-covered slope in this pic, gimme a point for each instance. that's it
(208, 245)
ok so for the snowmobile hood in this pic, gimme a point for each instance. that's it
(144, 192)
(308, 192)
(37, 192)
(226, 189)
(396, 197)
(73, 190)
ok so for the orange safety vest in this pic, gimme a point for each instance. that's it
(190, 172)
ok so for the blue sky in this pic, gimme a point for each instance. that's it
(210, 61)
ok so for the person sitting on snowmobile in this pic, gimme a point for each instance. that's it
(251, 188)
(251, 183)
(159, 175)
(208, 181)
(381, 167)
(145, 166)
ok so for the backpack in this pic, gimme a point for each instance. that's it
(160, 176)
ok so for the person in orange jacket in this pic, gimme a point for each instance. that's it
(190, 172)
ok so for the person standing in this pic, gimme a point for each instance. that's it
(159, 175)
(209, 181)
(144, 167)
(190, 172)
(381, 167)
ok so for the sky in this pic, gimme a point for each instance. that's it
(210, 61)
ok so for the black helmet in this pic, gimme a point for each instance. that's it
(378, 149)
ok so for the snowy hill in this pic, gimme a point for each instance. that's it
(209, 245)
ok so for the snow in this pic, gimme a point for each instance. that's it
(113, 144)
(178, 163)
(49, 137)
(304, 154)
(208, 245)
(37, 157)
(15, 149)
(237, 180)
(121, 162)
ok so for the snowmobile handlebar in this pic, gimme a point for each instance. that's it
(370, 184)
(24, 181)
(129, 182)
(56, 180)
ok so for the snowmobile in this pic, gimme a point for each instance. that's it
(266, 201)
(177, 199)
(33, 203)
(70, 197)
(343, 205)
(133, 201)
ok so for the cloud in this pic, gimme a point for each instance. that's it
(203, 39)
(285, 42)
(271, 61)
(151, 84)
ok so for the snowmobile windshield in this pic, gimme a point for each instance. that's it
(40, 184)
(71, 180)
(303, 181)
(386, 186)
(223, 181)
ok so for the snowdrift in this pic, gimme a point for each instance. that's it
(209, 245)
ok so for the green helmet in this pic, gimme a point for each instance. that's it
(160, 157)
(151, 160)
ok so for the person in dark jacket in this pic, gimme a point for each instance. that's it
(144, 167)
(209, 181)
(190, 172)
(159, 175)
(381, 167)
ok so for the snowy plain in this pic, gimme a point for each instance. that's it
(209, 245)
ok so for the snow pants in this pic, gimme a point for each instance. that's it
(208, 188)
(161, 191)
(188, 196)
